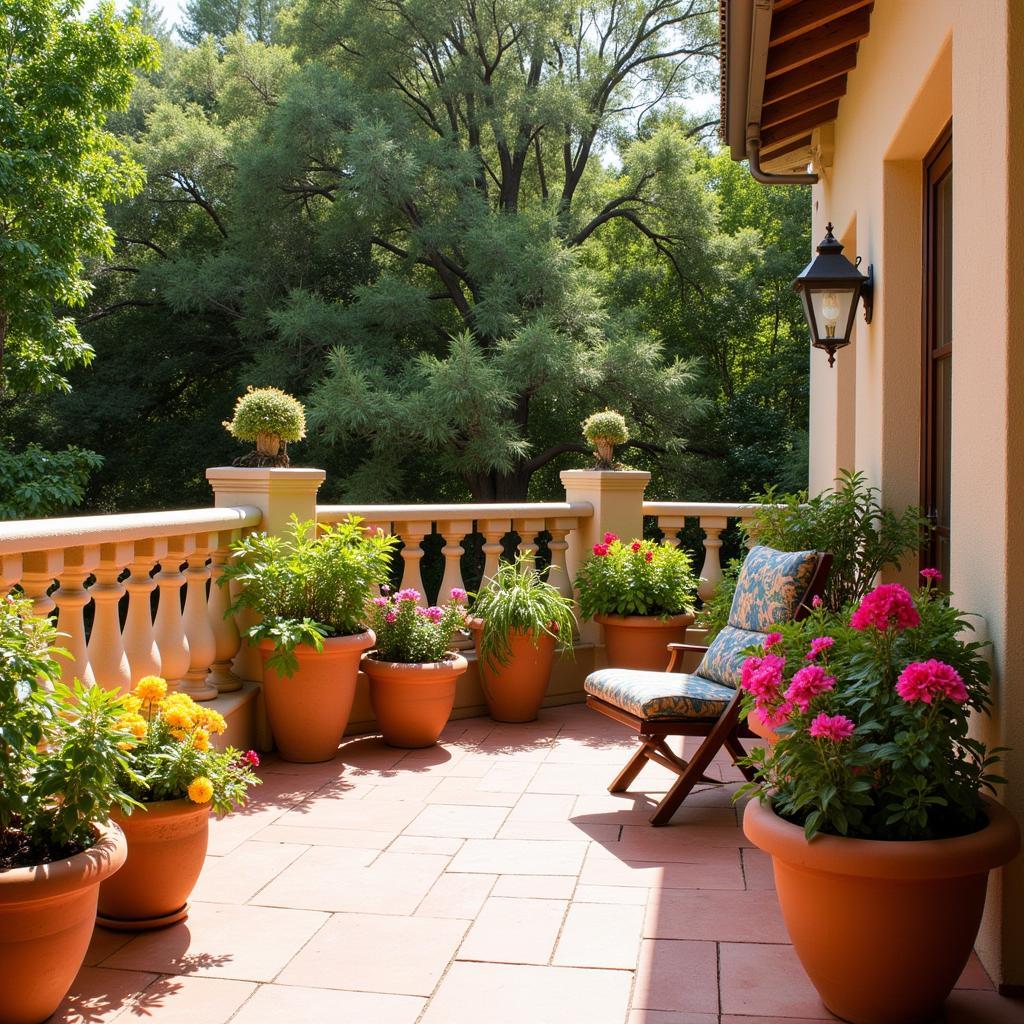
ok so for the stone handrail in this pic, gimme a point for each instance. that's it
(189, 643)
(671, 517)
(454, 523)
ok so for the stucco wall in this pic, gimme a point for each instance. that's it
(925, 61)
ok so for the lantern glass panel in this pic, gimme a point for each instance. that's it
(832, 311)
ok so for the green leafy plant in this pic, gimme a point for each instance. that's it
(271, 418)
(847, 520)
(171, 756)
(872, 710)
(639, 578)
(61, 761)
(36, 483)
(409, 633)
(307, 584)
(604, 430)
(518, 599)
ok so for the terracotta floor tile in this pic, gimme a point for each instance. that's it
(456, 895)
(513, 777)
(581, 831)
(454, 790)
(541, 887)
(602, 807)
(324, 878)
(369, 752)
(103, 943)
(669, 1017)
(967, 1007)
(543, 807)
(350, 837)
(514, 931)
(600, 935)
(732, 1018)
(517, 994)
(721, 916)
(605, 868)
(974, 975)
(365, 815)
(181, 1000)
(221, 941)
(676, 975)
(764, 980)
(611, 751)
(757, 870)
(99, 994)
(425, 844)
(458, 821)
(632, 895)
(520, 857)
(289, 1004)
(590, 778)
(374, 953)
(238, 876)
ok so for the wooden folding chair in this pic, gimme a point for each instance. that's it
(773, 587)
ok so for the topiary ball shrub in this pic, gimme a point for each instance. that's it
(604, 430)
(271, 418)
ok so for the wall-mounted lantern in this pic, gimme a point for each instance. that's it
(829, 287)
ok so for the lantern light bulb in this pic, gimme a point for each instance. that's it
(830, 313)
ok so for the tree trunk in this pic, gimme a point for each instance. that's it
(500, 488)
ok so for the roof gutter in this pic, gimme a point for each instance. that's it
(748, 31)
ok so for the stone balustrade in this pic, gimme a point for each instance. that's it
(713, 517)
(104, 570)
(497, 529)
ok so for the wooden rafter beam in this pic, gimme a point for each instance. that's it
(818, 95)
(810, 75)
(835, 36)
(800, 125)
(804, 142)
(793, 22)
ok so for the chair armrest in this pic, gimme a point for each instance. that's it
(699, 648)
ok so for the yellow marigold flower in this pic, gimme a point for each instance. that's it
(151, 688)
(201, 740)
(200, 790)
(133, 723)
(132, 704)
(125, 745)
(211, 720)
(179, 734)
(178, 717)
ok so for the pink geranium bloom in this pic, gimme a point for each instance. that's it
(816, 601)
(773, 717)
(600, 550)
(932, 575)
(819, 644)
(610, 538)
(889, 606)
(409, 594)
(807, 683)
(380, 602)
(925, 680)
(832, 727)
(391, 617)
(458, 595)
(635, 546)
(763, 676)
(771, 640)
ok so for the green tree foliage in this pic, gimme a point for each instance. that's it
(219, 19)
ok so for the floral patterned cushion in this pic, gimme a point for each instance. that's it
(770, 587)
(723, 660)
(659, 694)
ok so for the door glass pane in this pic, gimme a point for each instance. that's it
(944, 259)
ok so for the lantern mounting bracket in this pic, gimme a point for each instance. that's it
(867, 290)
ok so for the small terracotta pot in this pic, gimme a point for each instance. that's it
(412, 702)
(883, 929)
(309, 710)
(47, 914)
(514, 690)
(166, 848)
(641, 641)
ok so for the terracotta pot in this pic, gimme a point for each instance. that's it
(412, 702)
(309, 710)
(640, 641)
(514, 691)
(883, 929)
(47, 914)
(166, 849)
(757, 725)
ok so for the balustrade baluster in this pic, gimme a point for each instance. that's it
(107, 656)
(493, 531)
(71, 597)
(138, 638)
(202, 645)
(528, 530)
(670, 527)
(454, 532)
(711, 571)
(168, 628)
(10, 572)
(412, 534)
(558, 575)
(41, 568)
(226, 637)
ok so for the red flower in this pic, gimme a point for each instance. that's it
(648, 556)
(635, 546)
(610, 538)
(601, 550)
(251, 758)
(889, 606)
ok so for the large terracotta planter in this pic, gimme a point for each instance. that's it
(514, 690)
(760, 728)
(412, 702)
(883, 929)
(309, 710)
(640, 641)
(47, 914)
(166, 849)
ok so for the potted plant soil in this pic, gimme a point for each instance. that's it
(176, 776)
(871, 799)
(412, 672)
(643, 594)
(310, 590)
(61, 766)
(270, 418)
(517, 619)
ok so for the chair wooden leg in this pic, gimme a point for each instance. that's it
(633, 768)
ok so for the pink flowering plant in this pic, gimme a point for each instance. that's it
(410, 633)
(637, 577)
(871, 710)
